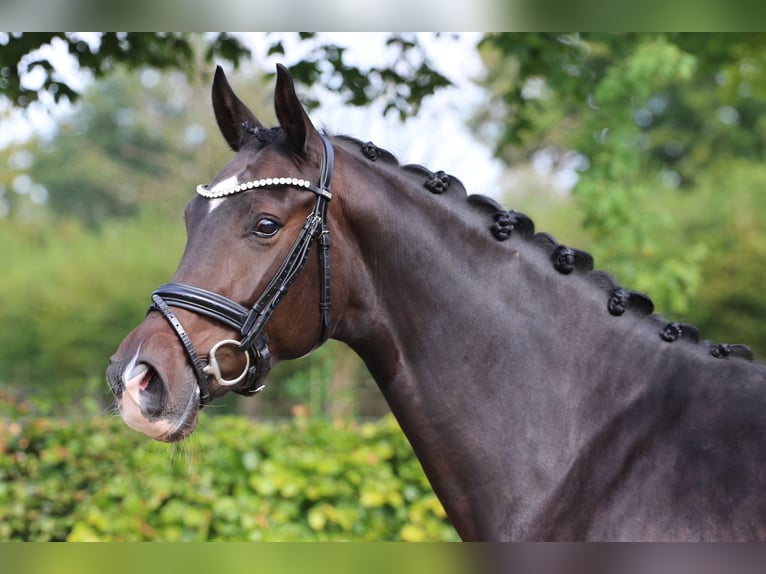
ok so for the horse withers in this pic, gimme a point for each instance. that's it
(543, 400)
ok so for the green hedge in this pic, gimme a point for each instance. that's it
(234, 479)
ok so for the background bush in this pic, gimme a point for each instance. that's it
(303, 479)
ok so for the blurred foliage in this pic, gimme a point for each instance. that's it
(666, 132)
(101, 54)
(69, 296)
(402, 86)
(303, 479)
(125, 158)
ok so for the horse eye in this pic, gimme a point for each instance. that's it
(266, 228)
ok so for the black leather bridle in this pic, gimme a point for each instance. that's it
(251, 322)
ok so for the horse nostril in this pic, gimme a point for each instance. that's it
(153, 393)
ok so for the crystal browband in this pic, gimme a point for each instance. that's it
(204, 191)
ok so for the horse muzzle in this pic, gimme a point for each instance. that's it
(154, 389)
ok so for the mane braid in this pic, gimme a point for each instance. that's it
(382, 154)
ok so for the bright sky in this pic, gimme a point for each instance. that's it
(437, 138)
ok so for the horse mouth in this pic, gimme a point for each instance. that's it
(148, 406)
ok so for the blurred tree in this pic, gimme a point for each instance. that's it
(100, 54)
(564, 89)
(137, 138)
(650, 122)
(402, 85)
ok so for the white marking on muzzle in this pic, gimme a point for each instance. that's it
(133, 375)
(128, 373)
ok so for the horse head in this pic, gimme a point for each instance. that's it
(250, 235)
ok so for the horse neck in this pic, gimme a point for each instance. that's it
(490, 360)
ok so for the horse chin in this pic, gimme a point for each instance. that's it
(175, 422)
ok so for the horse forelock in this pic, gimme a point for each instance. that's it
(502, 224)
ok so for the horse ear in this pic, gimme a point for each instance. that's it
(294, 120)
(231, 114)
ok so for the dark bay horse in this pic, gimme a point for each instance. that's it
(544, 401)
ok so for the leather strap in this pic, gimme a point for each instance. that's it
(184, 336)
(203, 302)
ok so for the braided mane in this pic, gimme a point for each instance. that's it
(503, 224)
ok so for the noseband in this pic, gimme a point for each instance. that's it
(251, 322)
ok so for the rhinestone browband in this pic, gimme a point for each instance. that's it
(204, 191)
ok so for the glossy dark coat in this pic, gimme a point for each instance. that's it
(543, 401)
